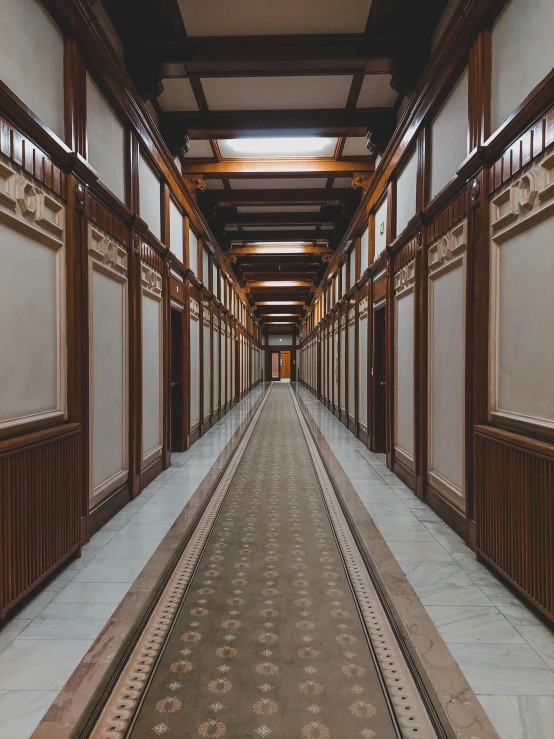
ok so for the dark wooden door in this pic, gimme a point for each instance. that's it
(379, 404)
(177, 428)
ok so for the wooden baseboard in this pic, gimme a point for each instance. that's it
(451, 516)
(407, 476)
(107, 508)
(151, 472)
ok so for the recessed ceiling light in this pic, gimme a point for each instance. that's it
(283, 146)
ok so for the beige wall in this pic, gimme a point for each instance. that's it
(175, 231)
(522, 54)
(363, 363)
(31, 60)
(151, 370)
(193, 252)
(194, 366)
(149, 197)
(449, 136)
(108, 376)
(32, 303)
(447, 280)
(406, 194)
(404, 342)
(522, 299)
(105, 141)
(380, 223)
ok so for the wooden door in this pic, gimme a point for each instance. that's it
(285, 365)
(177, 427)
(379, 404)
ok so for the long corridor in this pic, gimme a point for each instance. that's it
(278, 603)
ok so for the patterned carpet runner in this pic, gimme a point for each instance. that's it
(262, 634)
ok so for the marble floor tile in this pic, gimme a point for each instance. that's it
(40, 664)
(406, 534)
(72, 611)
(87, 553)
(133, 531)
(419, 551)
(473, 625)
(129, 548)
(504, 669)
(64, 628)
(111, 570)
(520, 717)
(531, 628)
(36, 603)
(10, 630)
(444, 584)
(22, 710)
(93, 592)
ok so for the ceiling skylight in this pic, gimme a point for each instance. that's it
(297, 146)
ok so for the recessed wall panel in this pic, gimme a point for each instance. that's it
(404, 440)
(406, 186)
(149, 197)
(380, 228)
(151, 377)
(176, 231)
(105, 141)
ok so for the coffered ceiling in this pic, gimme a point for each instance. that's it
(272, 107)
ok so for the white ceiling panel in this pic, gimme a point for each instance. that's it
(342, 182)
(214, 184)
(276, 93)
(266, 17)
(355, 146)
(199, 149)
(376, 92)
(177, 95)
(278, 209)
(279, 183)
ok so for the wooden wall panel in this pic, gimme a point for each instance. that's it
(514, 487)
(39, 509)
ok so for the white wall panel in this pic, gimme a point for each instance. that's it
(151, 376)
(206, 361)
(176, 231)
(406, 194)
(108, 380)
(404, 440)
(364, 249)
(342, 365)
(193, 252)
(215, 363)
(352, 364)
(105, 141)
(149, 197)
(362, 372)
(31, 60)
(447, 364)
(32, 315)
(380, 228)
(449, 136)
(522, 54)
(194, 368)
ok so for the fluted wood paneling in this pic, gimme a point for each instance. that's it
(39, 511)
(514, 487)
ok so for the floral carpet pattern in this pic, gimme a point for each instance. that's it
(267, 640)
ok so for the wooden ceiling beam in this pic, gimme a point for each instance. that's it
(276, 236)
(272, 55)
(308, 196)
(321, 122)
(304, 249)
(264, 168)
(278, 219)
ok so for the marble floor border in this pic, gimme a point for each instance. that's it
(66, 710)
(459, 702)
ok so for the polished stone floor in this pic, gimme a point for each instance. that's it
(505, 652)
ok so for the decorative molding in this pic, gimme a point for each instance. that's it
(26, 207)
(524, 200)
(361, 180)
(206, 315)
(363, 307)
(105, 250)
(448, 250)
(194, 306)
(151, 280)
(196, 182)
(404, 279)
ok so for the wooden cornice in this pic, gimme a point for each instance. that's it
(282, 167)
